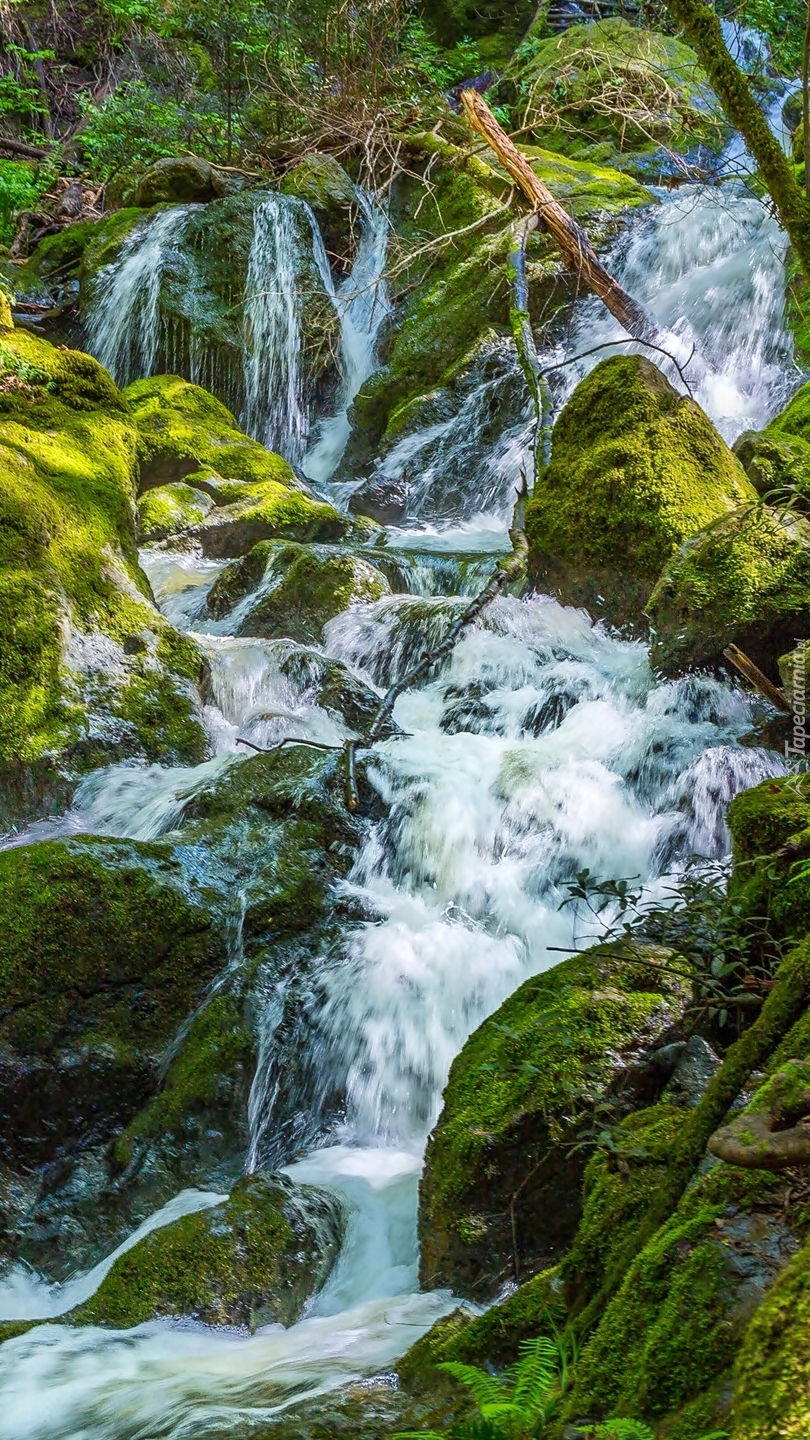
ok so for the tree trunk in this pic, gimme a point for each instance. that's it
(568, 236)
(806, 98)
(701, 27)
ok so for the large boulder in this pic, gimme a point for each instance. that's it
(302, 588)
(613, 92)
(253, 1260)
(744, 580)
(187, 435)
(89, 670)
(178, 180)
(330, 193)
(636, 469)
(502, 1186)
(105, 948)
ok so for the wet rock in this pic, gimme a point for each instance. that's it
(179, 180)
(330, 193)
(743, 580)
(105, 948)
(382, 498)
(314, 585)
(254, 1260)
(770, 828)
(522, 1088)
(777, 466)
(636, 470)
(694, 1069)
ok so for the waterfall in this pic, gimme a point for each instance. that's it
(362, 305)
(124, 324)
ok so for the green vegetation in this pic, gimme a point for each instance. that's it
(636, 469)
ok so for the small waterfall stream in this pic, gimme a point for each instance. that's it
(546, 745)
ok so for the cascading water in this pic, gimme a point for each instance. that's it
(123, 330)
(544, 746)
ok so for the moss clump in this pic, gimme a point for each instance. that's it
(104, 950)
(611, 88)
(252, 1261)
(744, 580)
(770, 827)
(170, 509)
(104, 244)
(518, 1092)
(772, 1369)
(314, 585)
(69, 572)
(184, 430)
(636, 469)
(778, 466)
(674, 1326)
(323, 183)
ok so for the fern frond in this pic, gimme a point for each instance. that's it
(536, 1374)
(621, 1430)
(484, 1388)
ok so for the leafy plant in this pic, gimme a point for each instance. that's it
(517, 1405)
(19, 190)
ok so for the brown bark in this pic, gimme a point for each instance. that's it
(755, 677)
(772, 1139)
(568, 236)
(18, 147)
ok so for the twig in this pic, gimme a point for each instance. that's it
(606, 344)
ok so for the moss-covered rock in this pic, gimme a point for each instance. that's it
(636, 469)
(187, 434)
(89, 670)
(672, 1330)
(177, 180)
(744, 580)
(170, 509)
(308, 586)
(778, 466)
(770, 827)
(771, 1376)
(253, 1261)
(613, 92)
(519, 1092)
(329, 192)
(105, 948)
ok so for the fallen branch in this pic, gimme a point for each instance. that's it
(755, 677)
(569, 237)
(527, 350)
(18, 147)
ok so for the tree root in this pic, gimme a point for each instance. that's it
(775, 1137)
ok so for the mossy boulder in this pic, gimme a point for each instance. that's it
(744, 580)
(321, 181)
(254, 1260)
(188, 435)
(614, 92)
(89, 670)
(778, 466)
(171, 509)
(105, 948)
(522, 1088)
(305, 586)
(770, 828)
(636, 469)
(771, 1377)
(178, 180)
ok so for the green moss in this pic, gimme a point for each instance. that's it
(58, 256)
(240, 577)
(170, 509)
(253, 1260)
(772, 1370)
(636, 469)
(763, 821)
(104, 244)
(674, 1326)
(517, 1093)
(314, 586)
(744, 580)
(564, 83)
(794, 420)
(777, 466)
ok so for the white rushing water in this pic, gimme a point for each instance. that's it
(545, 746)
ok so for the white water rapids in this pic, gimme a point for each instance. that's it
(546, 745)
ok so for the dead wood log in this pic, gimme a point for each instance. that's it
(569, 237)
(19, 147)
(755, 677)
